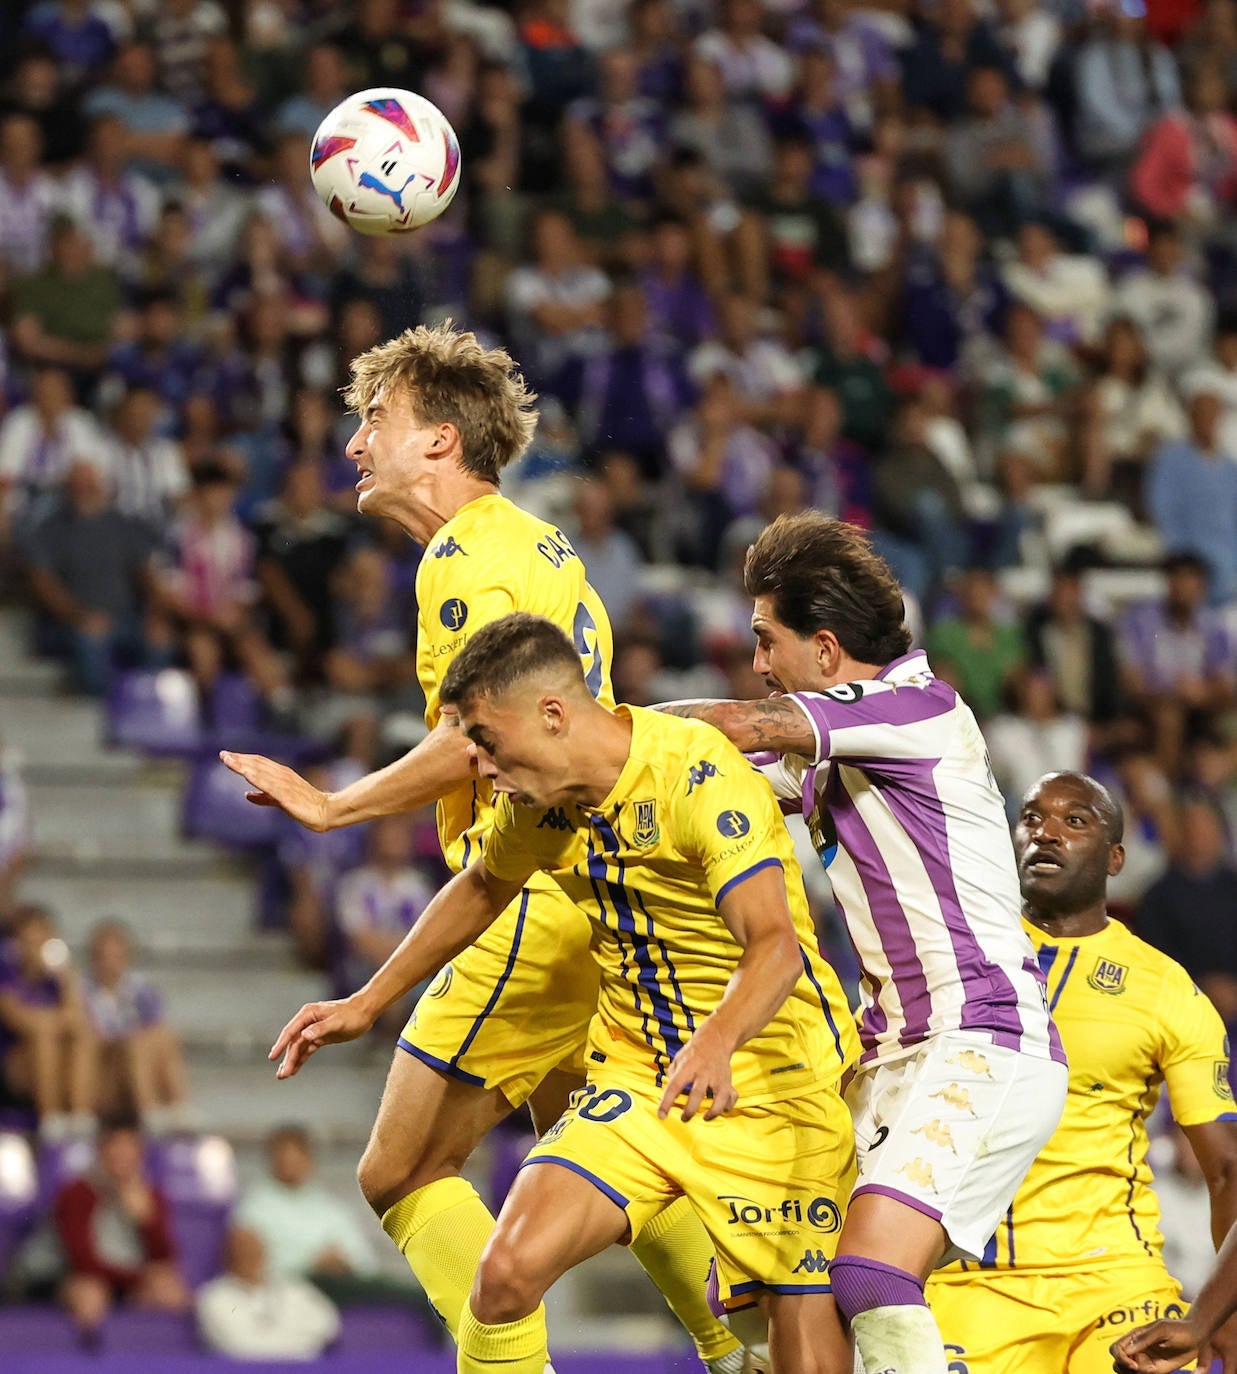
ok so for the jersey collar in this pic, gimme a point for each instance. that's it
(914, 664)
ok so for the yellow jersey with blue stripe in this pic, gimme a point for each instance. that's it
(1132, 1021)
(489, 559)
(688, 820)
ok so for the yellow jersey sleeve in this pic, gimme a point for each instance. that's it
(510, 849)
(728, 817)
(455, 596)
(1195, 1055)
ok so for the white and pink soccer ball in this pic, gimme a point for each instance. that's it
(385, 161)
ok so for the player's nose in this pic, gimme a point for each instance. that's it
(356, 445)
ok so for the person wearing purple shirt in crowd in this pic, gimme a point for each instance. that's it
(962, 1077)
(679, 309)
(950, 297)
(865, 70)
(817, 110)
(160, 358)
(28, 195)
(116, 209)
(626, 129)
(659, 64)
(630, 395)
(81, 40)
(48, 1052)
(1178, 659)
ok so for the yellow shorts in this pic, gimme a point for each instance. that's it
(770, 1183)
(514, 1005)
(1004, 1322)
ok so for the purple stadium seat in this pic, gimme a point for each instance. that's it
(132, 1332)
(194, 1169)
(59, 1163)
(155, 711)
(374, 1329)
(215, 808)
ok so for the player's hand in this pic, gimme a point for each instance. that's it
(315, 1025)
(700, 1069)
(1160, 1348)
(275, 784)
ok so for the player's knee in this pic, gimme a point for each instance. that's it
(385, 1179)
(505, 1288)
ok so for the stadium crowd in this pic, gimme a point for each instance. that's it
(963, 274)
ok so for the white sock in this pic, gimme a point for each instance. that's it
(899, 1340)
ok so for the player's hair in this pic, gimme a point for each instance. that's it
(823, 575)
(507, 651)
(451, 379)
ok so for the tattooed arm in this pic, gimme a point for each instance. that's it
(777, 724)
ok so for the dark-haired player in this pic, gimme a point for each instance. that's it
(720, 1035)
(962, 1077)
(1077, 1260)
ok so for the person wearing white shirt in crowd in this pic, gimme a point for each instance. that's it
(1218, 377)
(115, 208)
(246, 1314)
(306, 1229)
(1032, 737)
(1171, 308)
(39, 442)
(762, 370)
(1070, 292)
(149, 469)
(753, 66)
(28, 196)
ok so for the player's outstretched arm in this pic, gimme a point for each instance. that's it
(776, 724)
(758, 916)
(468, 904)
(438, 764)
(1164, 1346)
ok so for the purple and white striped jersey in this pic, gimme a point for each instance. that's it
(903, 810)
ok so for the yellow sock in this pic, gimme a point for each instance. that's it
(441, 1230)
(519, 1347)
(675, 1250)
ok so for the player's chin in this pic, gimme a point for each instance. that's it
(1045, 881)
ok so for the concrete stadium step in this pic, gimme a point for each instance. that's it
(53, 729)
(242, 1006)
(193, 912)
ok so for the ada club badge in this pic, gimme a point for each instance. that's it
(647, 831)
(1108, 977)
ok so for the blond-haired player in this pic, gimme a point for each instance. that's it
(1077, 1260)
(720, 1036)
(440, 417)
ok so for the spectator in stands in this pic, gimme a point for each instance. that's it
(1187, 167)
(849, 363)
(679, 312)
(306, 1230)
(1032, 736)
(81, 39)
(950, 42)
(310, 237)
(1188, 913)
(997, 171)
(91, 573)
(159, 357)
(372, 657)
(1218, 375)
(208, 588)
(377, 904)
(147, 469)
(1069, 291)
(1128, 412)
(141, 1062)
(1178, 660)
(728, 135)
(214, 210)
(180, 35)
(1191, 495)
(609, 553)
(47, 1049)
(1168, 304)
(115, 1231)
(767, 379)
(981, 650)
(865, 70)
(803, 232)
(66, 313)
(228, 112)
(246, 1314)
(622, 128)
(14, 829)
(28, 195)
(1123, 80)
(754, 68)
(1077, 649)
(39, 442)
(556, 304)
(34, 89)
(156, 123)
(115, 208)
(325, 82)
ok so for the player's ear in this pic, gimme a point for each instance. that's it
(828, 650)
(553, 713)
(446, 438)
(1116, 859)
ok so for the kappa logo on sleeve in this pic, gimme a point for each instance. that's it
(448, 548)
(701, 772)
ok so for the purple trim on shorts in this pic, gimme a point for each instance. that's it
(916, 1204)
(441, 1065)
(788, 1288)
(888, 917)
(747, 873)
(991, 1001)
(602, 1187)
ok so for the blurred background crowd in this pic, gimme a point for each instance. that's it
(963, 273)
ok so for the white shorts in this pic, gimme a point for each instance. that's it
(952, 1129)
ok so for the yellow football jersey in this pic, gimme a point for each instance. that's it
(489, 559)
(1131, 1021)
(688, 819)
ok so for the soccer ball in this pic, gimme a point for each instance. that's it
(385, 161)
